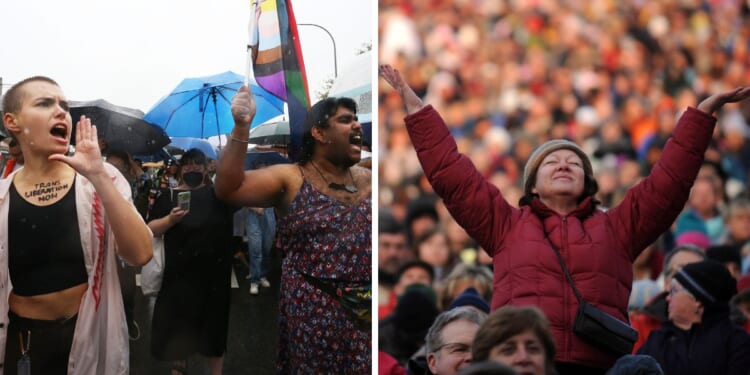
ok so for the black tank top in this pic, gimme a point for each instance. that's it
(44, 245)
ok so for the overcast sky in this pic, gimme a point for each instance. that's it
(133, 52)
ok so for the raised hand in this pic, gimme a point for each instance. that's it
(243, 107)
(714, 102)
(410, 98)
(87, 158)
(176, 215)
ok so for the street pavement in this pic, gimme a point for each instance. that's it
(253, 321)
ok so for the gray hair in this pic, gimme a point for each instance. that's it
(480, 274)
(686, 248)
(434, 338)
(736, 206)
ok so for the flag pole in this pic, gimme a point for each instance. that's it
(252, 34)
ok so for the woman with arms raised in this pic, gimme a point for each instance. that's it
(558, 213)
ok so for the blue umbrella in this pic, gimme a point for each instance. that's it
(201, 107)
(186, 143)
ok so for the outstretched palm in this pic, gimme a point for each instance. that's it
(87, 158)
(410, 98)
(714, 102)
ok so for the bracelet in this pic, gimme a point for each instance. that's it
(239, 140)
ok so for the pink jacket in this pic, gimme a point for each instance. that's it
(100, 341)
(597, 246)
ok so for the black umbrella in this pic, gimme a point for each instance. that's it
(257, 159)
(122, 128)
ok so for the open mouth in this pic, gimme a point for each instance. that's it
(59, 131)
(355, 139)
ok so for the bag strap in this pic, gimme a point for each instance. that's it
(567, 273)
(332, 291)
(335, 293)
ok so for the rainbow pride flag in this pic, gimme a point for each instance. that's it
(277, 62)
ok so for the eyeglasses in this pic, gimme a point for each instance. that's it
(455, 348)
(675, 287)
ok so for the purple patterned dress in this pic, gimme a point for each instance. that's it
(331, 241)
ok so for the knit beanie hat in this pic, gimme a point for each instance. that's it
(416, 310)
(708, 281)
(636, 364)
(470, 297)
(695, 238)
(532, 165)
(725, 254)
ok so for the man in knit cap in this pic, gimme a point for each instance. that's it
(655, 312)
(699, 337)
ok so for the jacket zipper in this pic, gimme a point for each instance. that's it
(566, 292)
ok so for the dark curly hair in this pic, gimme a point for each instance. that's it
(318, 116)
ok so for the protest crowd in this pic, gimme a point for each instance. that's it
(83, 220)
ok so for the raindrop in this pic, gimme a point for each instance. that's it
(25, 131)
(130, 128)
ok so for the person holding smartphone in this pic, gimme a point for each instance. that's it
(191, 314)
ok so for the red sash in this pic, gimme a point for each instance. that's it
(9, 167)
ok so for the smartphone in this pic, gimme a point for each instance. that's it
(183, 200)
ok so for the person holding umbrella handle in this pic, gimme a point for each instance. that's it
(324, 219)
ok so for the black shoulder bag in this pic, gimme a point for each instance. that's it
(596, 326)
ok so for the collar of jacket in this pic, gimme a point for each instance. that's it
(711, 317)
(583, 210)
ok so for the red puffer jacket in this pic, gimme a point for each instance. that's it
(597, 246)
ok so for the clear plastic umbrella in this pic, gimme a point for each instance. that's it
(355, 82)
(271, 133)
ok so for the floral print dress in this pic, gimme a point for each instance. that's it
(331, 242)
